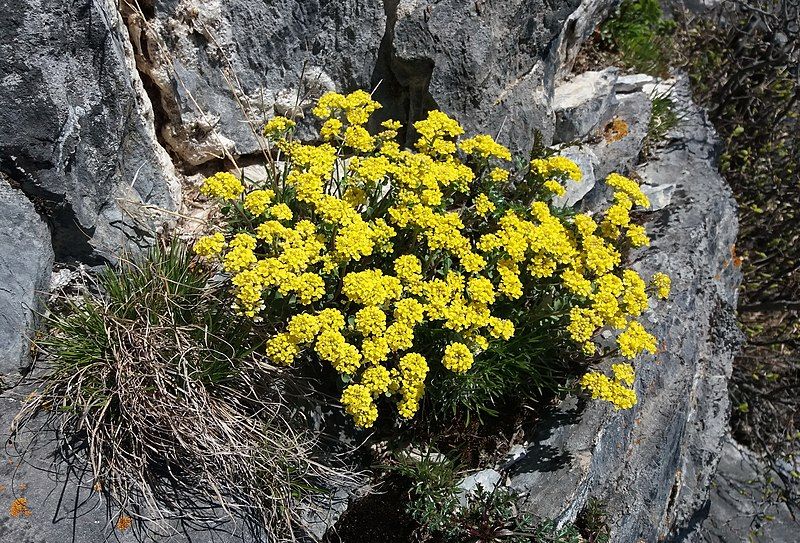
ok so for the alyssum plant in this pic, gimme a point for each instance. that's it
(382, 261)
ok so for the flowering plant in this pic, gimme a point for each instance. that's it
(382, 261)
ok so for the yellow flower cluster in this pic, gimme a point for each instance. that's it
(662, 284)
(222, 185)
(601, 387)
(210, 245)
(347, 260)
(557, 167)
(277, 126)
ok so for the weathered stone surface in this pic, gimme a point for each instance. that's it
(222, 68)
(487, 479)
(583, 104)
(653, 464)
(76, 130)
(575, 30)
(586, 160)
(25, 261)
(632, 82)
(743, 507)
(621, 155)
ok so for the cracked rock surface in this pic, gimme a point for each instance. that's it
(76, 132)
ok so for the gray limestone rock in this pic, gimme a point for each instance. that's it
(653, 464)
(743, 507)
(25, 262)
(632, 83)
(621, 155)
(586, 160)
(76, 128)
(583, 104)
(487, 479)
(221, 69)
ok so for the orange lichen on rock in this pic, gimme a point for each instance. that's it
(124, 522)
(615, 130)
(19, 508)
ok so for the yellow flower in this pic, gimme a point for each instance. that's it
(483, 146)
(281, 349)
(281, 212)
(376, 379)
(408, 311)
(457, 358)
(556, 166)
(637, 235)
(623, 373)
(238, 259)
(222, 185)
(501, 328)
(409, 380)
(603, 388)
(359, 139)
(629, 187)
(555, 187)
(481, 290)
(370, 321)
(635, 340)
(331, 129)
(483, 205)
(304, 327)
(575, 282)
(210, 245)
(662, 283)
(434, 132)
(257, 201)
(357, 401)
(278, 126)
(499, 175)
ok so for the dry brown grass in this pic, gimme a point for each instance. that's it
(161, 391)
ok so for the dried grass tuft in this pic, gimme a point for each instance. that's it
(161, 391)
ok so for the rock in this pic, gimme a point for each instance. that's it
(583, 104)
(586, 160)
(743, 507)
(632, 83)
(660, 196)
(577, 28)
(653, 464)
(26, 258)
(487, 479)
(621, 154)
(221, 69)
(76, 129)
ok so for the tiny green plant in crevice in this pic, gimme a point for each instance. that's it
(592, 522)
(150, 382)
(663, 118)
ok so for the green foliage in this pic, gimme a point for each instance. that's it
(482, 515)
(663, 118)
(593, 522)
(640, 36)
(434, 490)
(532, 364)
